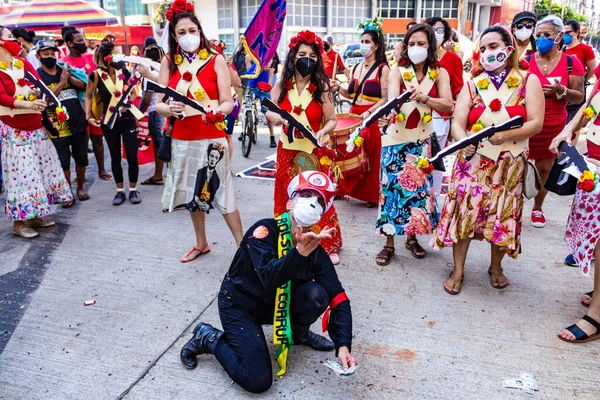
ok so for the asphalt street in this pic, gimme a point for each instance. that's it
(411, 339)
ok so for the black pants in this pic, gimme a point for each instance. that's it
(126, 129)
(243, 350)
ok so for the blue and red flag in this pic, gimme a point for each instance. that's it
(262, 36)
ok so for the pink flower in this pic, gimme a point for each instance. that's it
(500, 232)
(111, 109)
(420, 221)
(462, 170)
(122, 76)
(406, 182)
(415, 173)
(117, 94)
(104, 76)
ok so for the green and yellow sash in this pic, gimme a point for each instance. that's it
(282, 328)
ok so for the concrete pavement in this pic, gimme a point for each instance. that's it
(412, 340)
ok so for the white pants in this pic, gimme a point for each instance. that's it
(442, 129)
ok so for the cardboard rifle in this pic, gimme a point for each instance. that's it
(293, 123)
(172, 94)
(41, 86)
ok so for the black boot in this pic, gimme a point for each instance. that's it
(312, 340)
(205, 340)
(273, 144)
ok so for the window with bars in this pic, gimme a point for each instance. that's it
(228, 40)
(349, 13)
(249, 8)
(471, 12)
(440, 8)
(225, 14)
(306, 13)
(396, 8)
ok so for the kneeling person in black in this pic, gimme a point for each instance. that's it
(69, 136)
(247, 299)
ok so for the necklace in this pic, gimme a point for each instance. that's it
(545, 68)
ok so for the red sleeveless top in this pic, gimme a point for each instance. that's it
(314, 112)
(194, 127)
(414, 118)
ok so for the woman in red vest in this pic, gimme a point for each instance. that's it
(199, 176)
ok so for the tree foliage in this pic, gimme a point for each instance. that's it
(542, 8)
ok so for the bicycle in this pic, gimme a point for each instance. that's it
(249, 133)
(338, 102)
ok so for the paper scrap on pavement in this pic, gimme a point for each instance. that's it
(336, 366)
(525, 383)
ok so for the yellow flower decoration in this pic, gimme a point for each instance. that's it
(512, 81)
(199, 94)
(325, 160)
(359, 141)
(52, 86)
(221, 125)
(433, 74)
(483, 84)
(19, 64)
(423, 163)
(427, 118)
(3, 65)
(408, 76)
(589, 112)
(20, 97)
(477, 127)
(203, 54)
(32, 97)
(400, 117)
(587, 175)
(178, 59)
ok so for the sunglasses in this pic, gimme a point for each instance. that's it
(440, 30)
(528, 25)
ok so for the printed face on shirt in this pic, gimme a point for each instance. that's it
(213, 158)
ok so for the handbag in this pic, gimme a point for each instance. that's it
(532, 183)
(434, 143)
(164, 152)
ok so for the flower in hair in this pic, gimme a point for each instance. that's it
(306, 37)
(288, 85)
(178, 7)
(371, 25)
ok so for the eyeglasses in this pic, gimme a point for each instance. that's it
(528, 25)
(568, 32)
(440, 30)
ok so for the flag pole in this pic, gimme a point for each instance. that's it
(122, 11)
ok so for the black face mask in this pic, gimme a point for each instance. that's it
(80, 47)
(48, 62)
(305, 66)
(326, 46)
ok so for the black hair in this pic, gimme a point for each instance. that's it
(69, 35)
(317, 78)
(149, 41)
(24, 34)
(102, 51)
(66, 29)
(410, 25)
(174, 46)
(431, 60)
(276, 61)
(378, 39)
(455, 37)
(447, 30)
(218, 148)
(572, 23)
(154, 52)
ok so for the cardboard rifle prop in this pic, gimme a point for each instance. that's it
(172, 94)
(122, 103)
(293, 123)
(41, 86)
(146, 62)
(561, 181)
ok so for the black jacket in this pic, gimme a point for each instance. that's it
(256, 272)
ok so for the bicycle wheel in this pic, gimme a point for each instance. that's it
(342, 105)
(247, 135)
(255, 133)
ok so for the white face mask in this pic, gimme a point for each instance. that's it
(439, 38)
(189, 42)
(365, 49)
(417, 54)
(307, 211)
(523, 34)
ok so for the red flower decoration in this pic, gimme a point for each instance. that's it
(122, 76)
(288, 85)
(312, 88)
(104, 76)
(587, 185)
(220, 117)
(117, 94)
(22, 82)
(187, 76)
(111, 109)
(178, 7)
(523, 64)
(108, 58)
(402, 62)
(297, 110)
(496, 105)
(306, 37)
(169, 15)
(211, 118)
(61, 116)
(264, 87)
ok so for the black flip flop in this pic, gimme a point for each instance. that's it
(152, 181)
(580, 335)
(590, 295)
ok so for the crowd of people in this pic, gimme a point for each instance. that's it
(535, 69)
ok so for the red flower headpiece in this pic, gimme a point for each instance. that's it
(178, 7)
(306, 37)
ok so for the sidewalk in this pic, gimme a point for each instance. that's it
(412, 339)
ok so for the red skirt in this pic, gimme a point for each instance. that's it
(366, 187)
(288, 166)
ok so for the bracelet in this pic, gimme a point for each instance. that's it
(427, 99)
(560, 96)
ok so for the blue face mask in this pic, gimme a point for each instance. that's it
(544, 45)
(567, 39)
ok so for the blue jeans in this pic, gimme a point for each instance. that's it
(156, 122)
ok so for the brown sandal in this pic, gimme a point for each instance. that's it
(415, 248)
(386, 255)
(495, 279)
(454, 284)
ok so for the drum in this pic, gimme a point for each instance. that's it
(348, 163)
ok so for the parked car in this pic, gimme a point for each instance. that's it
(352, 55)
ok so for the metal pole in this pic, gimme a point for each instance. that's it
(122, 12)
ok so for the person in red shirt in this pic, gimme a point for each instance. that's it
(583, 52)
(332, 59)
(31, 169)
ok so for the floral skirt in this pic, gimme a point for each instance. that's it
(583, 228)
(199, 177)
(33, 176)
(407, 203)
(289, 164)
(484, 201)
